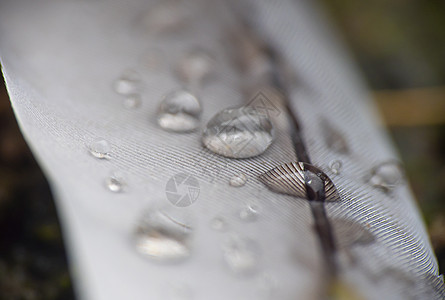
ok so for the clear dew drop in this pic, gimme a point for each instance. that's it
(195, 67)
(179, 111)
(132, 101)
(238, 180)
(238, 133)
(127, 84)
(386, 175)
(335, 166)
(218, 224)
(100, 149)
(115, 183)
(249, 213)
(241, 255)
(161, 237)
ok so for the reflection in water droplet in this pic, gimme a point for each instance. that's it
(194, 67)
(115, 183)
(238, 180)
(294, 178)
(163, 238)
(249, 213)
(127, 84)
(238, 133)
(334, 138)
(100, 149)
(241, 255)
(179, 112)
(218, 223)
(349, 233)
(335, 166)
(386, 175)
(132, 101)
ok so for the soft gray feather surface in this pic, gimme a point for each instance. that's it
(61, 59)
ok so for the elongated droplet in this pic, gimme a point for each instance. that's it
(238, 180)
(292, 179)
(162, 238)
(241, 255)
(218, 223)
(127, 84)
(195, 67)
(335, 166)
(335, 140)
(386, 175)
(249, 213)
(115, 183)
(349, 233)
(238, 133)
(132, 101)
(179, 112)
(100, 149)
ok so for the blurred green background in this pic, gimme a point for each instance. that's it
(399, 46)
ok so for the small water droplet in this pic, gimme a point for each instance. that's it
(297, 179)
(386, 175)
(100, 149)
(115, 183)
(218, 223)
(241, 255)
(249, 213)
(238, 133)
(238, 180)
(195, 67)
(335, 140)
(349, 233)
(132, 101)
(179, 111)
(161, 237)
(336, 166)
(128, 83)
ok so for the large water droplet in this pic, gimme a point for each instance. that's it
(241, 255)
(127, 84)
(100, 149)
(195, 67)
(238, 133)
(386, 175)
(179, 111)
(161, 237)
(238, 180)
(249, 213)
(335, 140)
(115, 183)
(296, 177)
(132, 101)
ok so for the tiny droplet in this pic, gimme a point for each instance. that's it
(386, 175)
(127, 84)
(218, 224)
(336, 166)
(100, 149)
(249, 213)
(132, 101)
(194, 67)
(238, 180)
(115, 183)
(241, 255)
